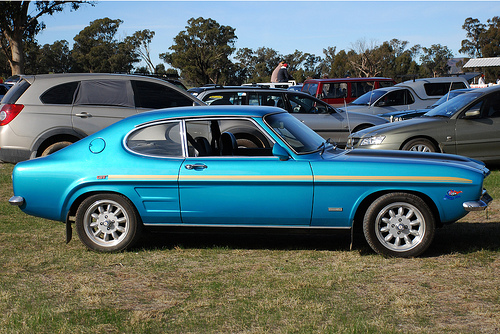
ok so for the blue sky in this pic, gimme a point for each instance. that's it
(285, 26)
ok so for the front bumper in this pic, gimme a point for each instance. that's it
(479, 205)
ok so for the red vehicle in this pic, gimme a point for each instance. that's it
(340, 91)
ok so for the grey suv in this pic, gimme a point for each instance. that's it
(41, 114)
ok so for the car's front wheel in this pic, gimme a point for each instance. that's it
(399, 225)
(420, 145)
(107, 223)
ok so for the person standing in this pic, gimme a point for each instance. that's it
(283, 75)
(274, 75)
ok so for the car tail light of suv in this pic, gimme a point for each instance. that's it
(9, 112)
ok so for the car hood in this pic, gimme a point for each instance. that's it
(364, 117)
(420, 124)
(402, 157)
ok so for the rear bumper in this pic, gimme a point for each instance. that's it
(16, 200)
(479, 205)
(14, 155)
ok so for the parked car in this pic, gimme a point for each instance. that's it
(468, 124)
(396, 116)
(41, 114)
(412, 94)
(3, 90)
(340, 91)
(182, 167)
(280, 85)
(327, 121)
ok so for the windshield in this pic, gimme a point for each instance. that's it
(447, 97)
(450, 107)
(368, 98)
(293, 132)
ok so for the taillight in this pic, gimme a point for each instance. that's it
(9, 112)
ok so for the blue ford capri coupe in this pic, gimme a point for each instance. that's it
(243, 167)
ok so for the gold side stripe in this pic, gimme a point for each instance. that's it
(292, 178)
(143, 177)
(393, 178)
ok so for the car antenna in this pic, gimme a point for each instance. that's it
(449, 90)
(347, 115)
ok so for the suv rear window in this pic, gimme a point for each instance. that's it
(441, 88)
(15, 92)
(60, 94)
(154, 96)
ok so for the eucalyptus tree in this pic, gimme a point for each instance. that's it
(21, 22)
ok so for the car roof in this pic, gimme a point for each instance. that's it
(349, 79)
(188, 112)
(250, 89)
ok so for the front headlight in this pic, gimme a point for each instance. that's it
(376, 140)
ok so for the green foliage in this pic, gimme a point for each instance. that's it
(435, 60)
(96, 49)
(202, 51)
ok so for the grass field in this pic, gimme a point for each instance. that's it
(235, 283)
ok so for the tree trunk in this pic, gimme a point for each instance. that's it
(17, 60)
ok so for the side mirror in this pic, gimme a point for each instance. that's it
(280, 152)
(473, 113)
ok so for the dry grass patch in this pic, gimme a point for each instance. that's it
(238, 283)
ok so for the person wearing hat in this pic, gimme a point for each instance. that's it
(283, 75)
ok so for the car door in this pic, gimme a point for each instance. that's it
(478, 136)
(220, 185)
(100, 103)
(320, 117)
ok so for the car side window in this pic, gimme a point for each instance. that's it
(159, 140)
(360, 88)
(311, 89)
(225, 98)
(226, 137)
(266, 99)
(116, 93)
(60, 94)
(334, 90)
(492, 106)
(396, 98)
(151, 95)
(305, 105)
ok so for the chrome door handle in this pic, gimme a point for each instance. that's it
(196, 166)
(83, 115)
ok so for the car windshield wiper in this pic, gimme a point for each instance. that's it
(323, 145)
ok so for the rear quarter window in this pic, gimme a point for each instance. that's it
(151, 95)
(60, 94)
(15, 92)
(441, 88)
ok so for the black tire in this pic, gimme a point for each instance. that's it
(107, 223)
(420, 145)
(399, 225)
(55, 147)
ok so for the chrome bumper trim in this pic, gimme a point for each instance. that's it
(479, 205)
(16, 200)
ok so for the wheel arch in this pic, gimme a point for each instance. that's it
(365, 203)
(71, 215)
(53, 136)
(429, 138)
(362, 126)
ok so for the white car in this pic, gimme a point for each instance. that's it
(408, 95)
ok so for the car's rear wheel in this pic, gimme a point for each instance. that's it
(107, 223)
(399, 225)
(420, 145)
(55, 147)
